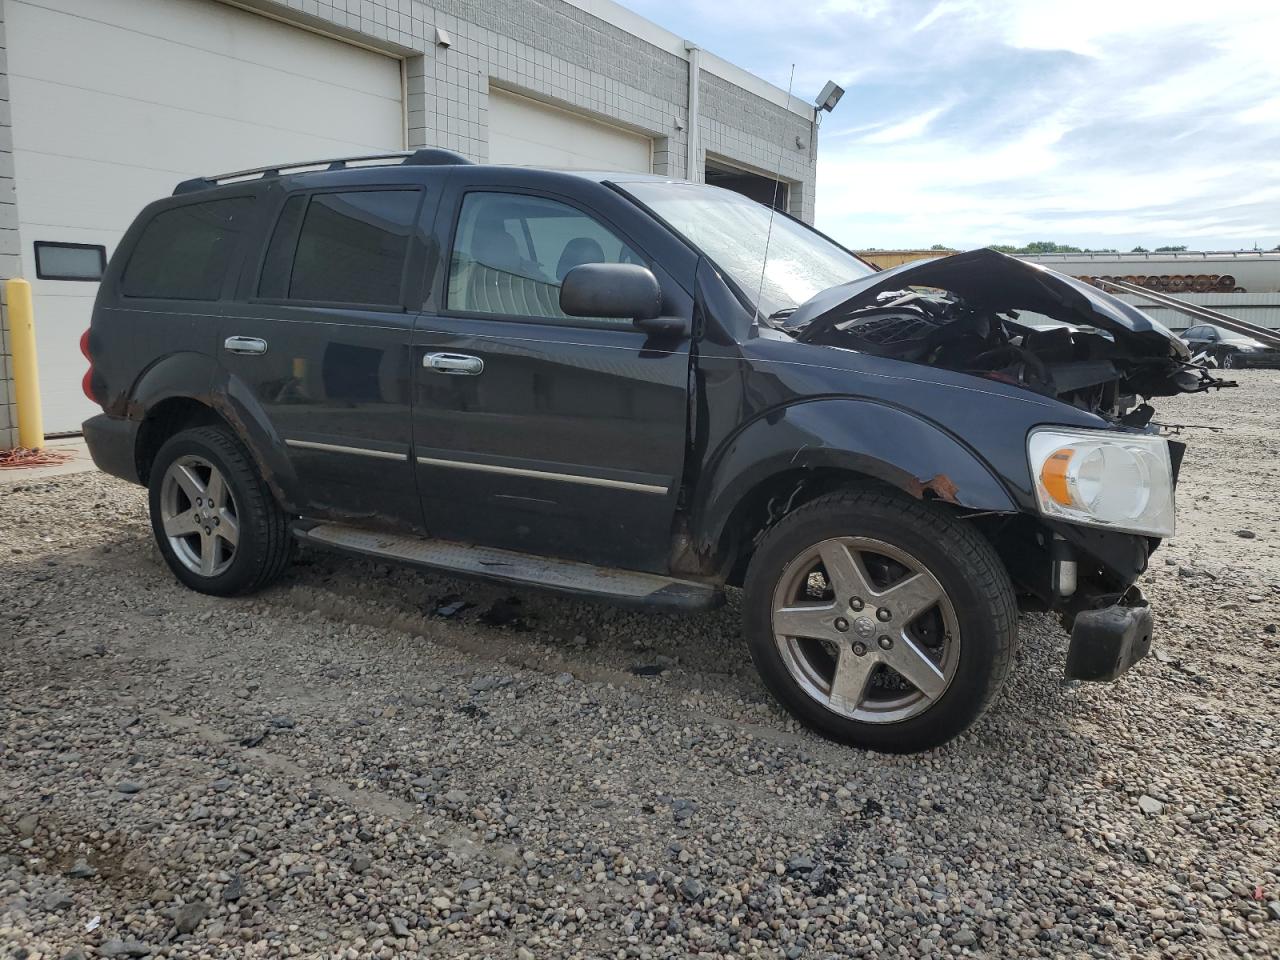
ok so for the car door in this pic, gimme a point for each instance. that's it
(316, 350)
(533, 430)
(1195, 338)
(1206, 336)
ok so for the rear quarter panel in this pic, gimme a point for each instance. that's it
(130, 336)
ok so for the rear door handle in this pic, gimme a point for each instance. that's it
(459, 364)
(246, 345)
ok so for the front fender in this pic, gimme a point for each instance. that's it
(857, 436)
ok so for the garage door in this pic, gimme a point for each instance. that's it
(115, 101)
(524, 131)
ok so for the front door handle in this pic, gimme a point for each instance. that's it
(246, 345)
(459, 364)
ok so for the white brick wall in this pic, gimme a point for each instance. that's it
(741, 127)
(547, 49)
(554, 51)
(9, 265)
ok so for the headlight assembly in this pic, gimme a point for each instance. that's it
(1120, 481)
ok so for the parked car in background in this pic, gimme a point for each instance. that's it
(1227, 349)
(599, 384)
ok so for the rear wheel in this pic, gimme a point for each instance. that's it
(216, 523)
(880, 621)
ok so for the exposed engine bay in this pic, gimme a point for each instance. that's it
(1000, 318)
(1079, 365)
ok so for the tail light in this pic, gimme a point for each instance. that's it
(87, 383)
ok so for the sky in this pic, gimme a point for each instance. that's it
(1098, 123)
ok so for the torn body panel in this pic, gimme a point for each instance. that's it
(1003, 319)
(938, 487)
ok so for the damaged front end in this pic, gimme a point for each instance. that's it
(1004, 319)
(1103, 498)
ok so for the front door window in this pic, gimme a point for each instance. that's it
(512, 251)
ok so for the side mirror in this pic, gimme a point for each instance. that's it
(623, 290)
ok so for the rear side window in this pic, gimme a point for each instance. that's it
(352, 248)
(184, 253)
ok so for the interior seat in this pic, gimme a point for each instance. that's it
(578, 251)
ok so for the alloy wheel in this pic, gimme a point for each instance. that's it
(865, 629)
(199, 516)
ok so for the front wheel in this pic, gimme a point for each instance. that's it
(880, 621)
(216, 523)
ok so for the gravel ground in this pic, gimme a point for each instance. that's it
(333, 768)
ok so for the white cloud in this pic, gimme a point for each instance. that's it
(1095, 122)
(1264, 112)
(1163, 116)
(909, 129)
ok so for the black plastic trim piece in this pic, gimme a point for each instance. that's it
(426, 157)
(1107, 642)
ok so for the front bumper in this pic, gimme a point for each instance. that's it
(112, 442)
(1107, 642)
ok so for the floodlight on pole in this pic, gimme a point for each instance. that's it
(829, 96)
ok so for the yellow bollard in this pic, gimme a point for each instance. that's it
(26, 378)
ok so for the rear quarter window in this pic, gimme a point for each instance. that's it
(352, 248)
(184, 253)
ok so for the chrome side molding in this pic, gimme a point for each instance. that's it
(339, 448)
(544, 475)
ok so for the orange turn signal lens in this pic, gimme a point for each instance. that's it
(1054, 475)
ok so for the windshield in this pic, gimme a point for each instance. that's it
(731, 230)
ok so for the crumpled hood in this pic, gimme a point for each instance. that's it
(997, 283)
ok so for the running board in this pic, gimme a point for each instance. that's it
(623, 587)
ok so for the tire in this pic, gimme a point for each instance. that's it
(959, 649)
(1229, 360)
(236, 539)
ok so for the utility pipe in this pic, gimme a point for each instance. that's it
(693, 171)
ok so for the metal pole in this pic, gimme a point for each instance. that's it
(26, 378)
(1270, 337)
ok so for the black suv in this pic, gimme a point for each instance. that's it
(641, 390)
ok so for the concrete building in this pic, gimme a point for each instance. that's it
(107, 104)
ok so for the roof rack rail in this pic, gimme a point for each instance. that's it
(426, 157)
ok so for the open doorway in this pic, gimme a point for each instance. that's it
(762, 189)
